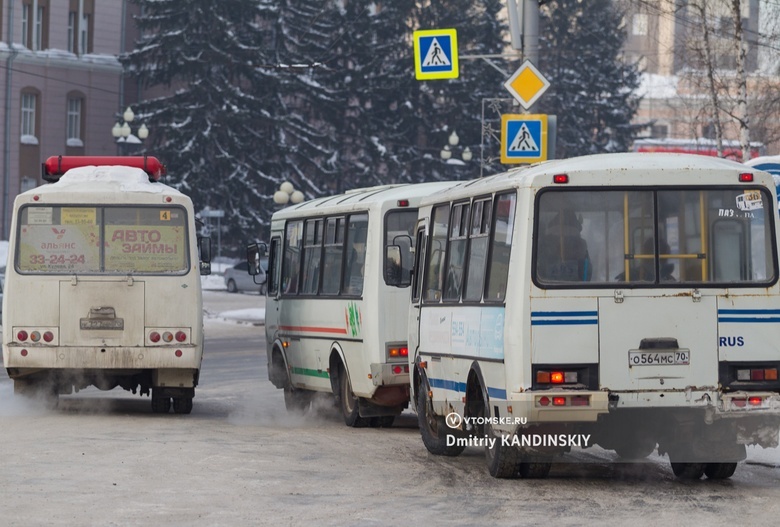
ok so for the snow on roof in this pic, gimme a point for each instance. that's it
(102, 178)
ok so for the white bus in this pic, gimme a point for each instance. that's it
(625, 300)
(339, 271)
(102, 286)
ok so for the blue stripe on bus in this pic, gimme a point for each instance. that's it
(774, 320)
(460, 387)
(564, 313)
(748, 311)
(564, 322)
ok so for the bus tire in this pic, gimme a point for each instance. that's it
(161, 405)
(636, 450)
(433, 429)
(297, 401)
(231, 286)
(720, 470)
(182, 405)
(503, 461)
(384, 421)
(688, 470)
(535, 468)
(349, 402)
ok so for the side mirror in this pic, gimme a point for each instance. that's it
(254, 254)
(204, 253)
(393, 267)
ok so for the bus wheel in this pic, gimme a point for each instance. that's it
(688, 470)
(295, 400)
(161, 405)
(433, 429)
(532, 468)
(385, 421)
(720, 470)
(182, 405)
(349, 403)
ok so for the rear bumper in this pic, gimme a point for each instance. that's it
(533, 408)
(109, 358)
(382, 374)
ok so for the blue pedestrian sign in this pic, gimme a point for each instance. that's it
(436, 54)
(523, 138)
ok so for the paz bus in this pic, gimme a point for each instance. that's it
(628, 301)
(338, 278)
(102, 286)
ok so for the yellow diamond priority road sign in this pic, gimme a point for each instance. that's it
(527, 84)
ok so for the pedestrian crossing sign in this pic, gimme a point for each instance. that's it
(523, 138)
(436, 54)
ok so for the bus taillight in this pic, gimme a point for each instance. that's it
(48, 336)
(181, 336)
(154, 336)
(21, 336)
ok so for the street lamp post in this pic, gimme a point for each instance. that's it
(123, 132)
(287, 194)
(446, 152)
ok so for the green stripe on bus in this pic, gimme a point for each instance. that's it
(310, 373)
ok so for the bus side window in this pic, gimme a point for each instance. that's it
(334, 256)
(436, 255)
(312, 254)
(357, 231)
(291, 266)
(501, 244)
(481, 215)
(457, 251)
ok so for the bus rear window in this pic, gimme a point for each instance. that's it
(92, 240)
(655, 237)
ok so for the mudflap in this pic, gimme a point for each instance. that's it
(692, 442)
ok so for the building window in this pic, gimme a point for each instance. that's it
(80, 26)
(35, 24)
(660, 131)
(28, 183)
(74, 122)
(29, 106)
(72, 31)
(639, 26)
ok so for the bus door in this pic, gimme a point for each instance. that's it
(417, 281)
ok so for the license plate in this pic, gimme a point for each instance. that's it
(659, 358)
(108, 323)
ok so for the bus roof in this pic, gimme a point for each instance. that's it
(364, 198)
(610, 169)
(101, 179)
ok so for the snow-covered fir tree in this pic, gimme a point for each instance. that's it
(592, 92)
(216, 128)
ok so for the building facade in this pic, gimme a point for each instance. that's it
(61, 85)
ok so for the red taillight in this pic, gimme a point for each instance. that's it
(404, 352)
(154, 336)
(559, 401)
(48, 336)
(580, 400)
(754, 401)
(181, 336)
(561, 179)
(178, 353)
(756, 375)
(556, 377)
(544, 401)
(746, 178)
(24, 353)
(21, 336)
(397, 370)
(739, 402)
(403, 202)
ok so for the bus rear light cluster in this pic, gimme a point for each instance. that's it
(399, 369)
(397, 351)
(556, 377)
(752, 401)
(35, 336)
(167, 336)
(757, 374)
(563, 400)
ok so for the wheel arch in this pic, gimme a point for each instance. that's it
(279, 379)
(335, 359)
(477, 398)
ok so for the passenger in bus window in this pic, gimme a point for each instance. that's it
(563, 253)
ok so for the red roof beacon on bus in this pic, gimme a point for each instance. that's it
(56, 166)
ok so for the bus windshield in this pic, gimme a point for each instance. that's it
(66, 239)
(655, 237)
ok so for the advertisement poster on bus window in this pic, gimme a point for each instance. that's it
(68, 244)
(145, 249)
